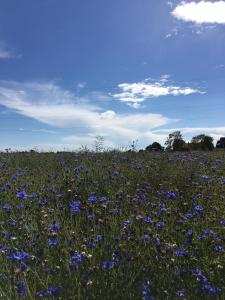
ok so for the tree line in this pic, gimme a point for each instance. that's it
(175, 142)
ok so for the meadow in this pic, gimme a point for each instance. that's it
(112, 225)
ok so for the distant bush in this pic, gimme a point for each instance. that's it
(154, 147)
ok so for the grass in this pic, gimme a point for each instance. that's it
(112, 225)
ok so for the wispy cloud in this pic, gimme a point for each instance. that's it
(172, 33)
(221, 66)
(6, 52)
(135, 93)
(203, 12)
(81, 85)
(41, 130)
(52, 105)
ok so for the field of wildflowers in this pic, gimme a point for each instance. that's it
(112, 225)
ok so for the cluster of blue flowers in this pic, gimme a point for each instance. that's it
(112, 225)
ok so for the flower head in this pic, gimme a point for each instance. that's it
(218, 249)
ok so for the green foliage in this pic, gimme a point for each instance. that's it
(202, 142)
(154, 147)
(175, 141)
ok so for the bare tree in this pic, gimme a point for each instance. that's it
(98, 143)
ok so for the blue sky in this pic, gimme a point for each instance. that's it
(126, 70)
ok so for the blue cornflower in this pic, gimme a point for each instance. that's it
(53, 241)
(41, 294)
(219, 249)
(75, 207)
(92, 199)
(103, 199)
(189, 214)
(51, 291)
(98, 237)
(157, 241)
(222, 222)
(16, 175)
(209, 231)
(43, 201)
(7, 185)
(6, 250)
(161, 193)
(90, 245)
(7, 207)
(209, 289)
(116, 257)
(127, 222)
(201, 236)
(148, 220)
(181, 252)
(90, 216)
(78, 257)
(190, 232)
(198, 208)
(142, 197)
(21, 195)
(138, 217)
(54, 291)
(180, 293)
(76, 260)
(12, 223)
(107, 265)
(204, 177)
(54, 227)
(9, 236)
(78, 168)
(199, 274)
(20, 256)
(190, 236)
(160, 225)
(171, 195)
(163, 209)
(145, 290)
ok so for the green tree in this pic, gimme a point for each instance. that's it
(175, 141)
(202, 142)
(154, 147)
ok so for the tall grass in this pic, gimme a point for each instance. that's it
(112, 225)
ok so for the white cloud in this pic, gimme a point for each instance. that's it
(52, 105)
(81, 85)
(42, 130)
(172, 33)
(201, 12)
(5, 52)
(135, 93)
(218, 130)
(170, 4)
